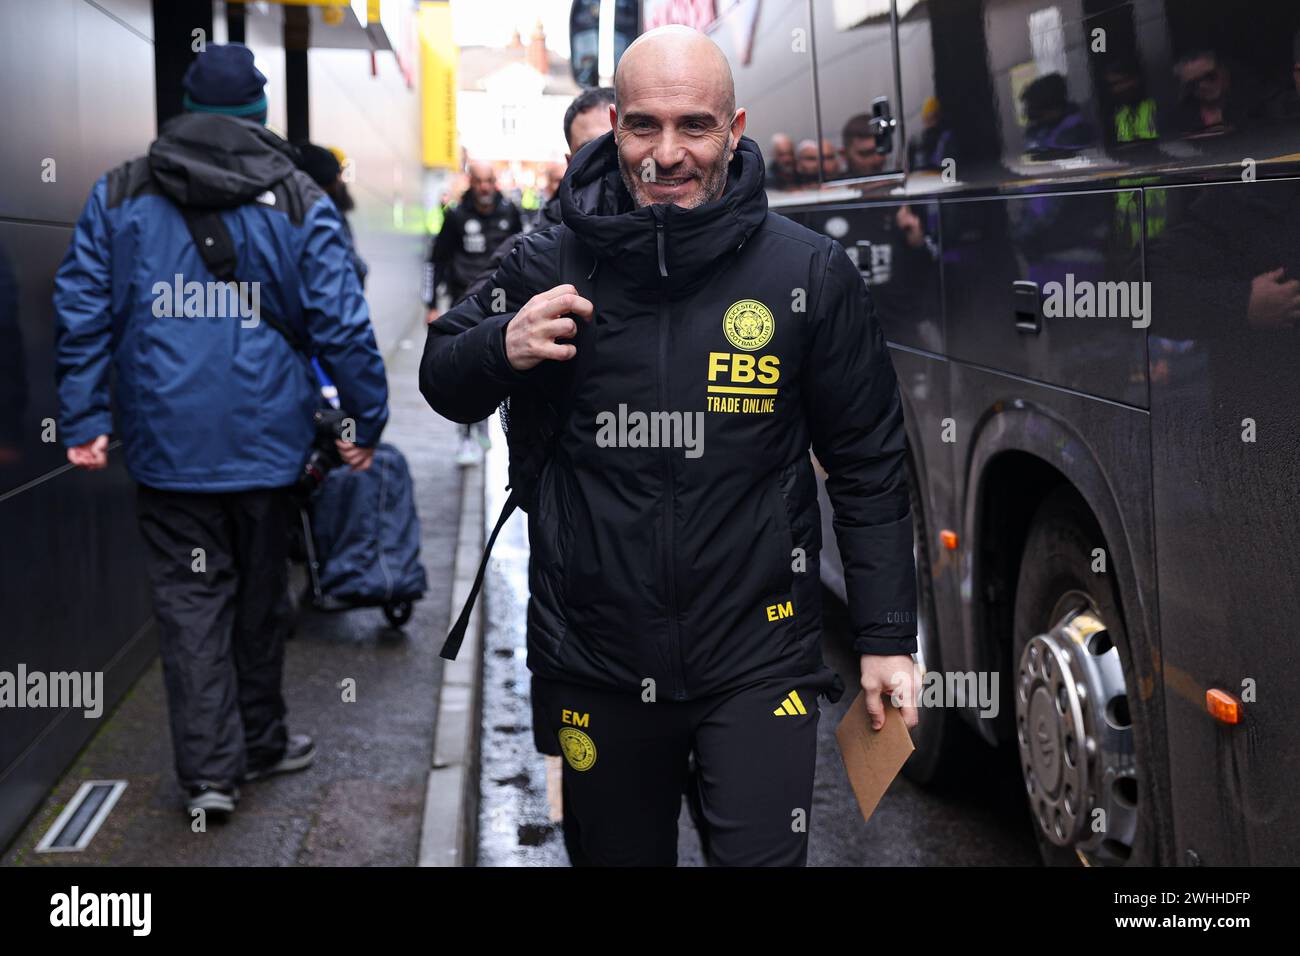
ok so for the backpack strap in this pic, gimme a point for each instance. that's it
(456, 636)
(213, 241)
(577, 271)
(215, 245)
(571, 272)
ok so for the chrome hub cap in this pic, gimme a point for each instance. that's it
(1076, 736)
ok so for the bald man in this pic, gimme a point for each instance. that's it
(586, 118)
(807, 162)
(781, 172)
(480, 222)
(471, 230)
(831, 168)
(670, 352)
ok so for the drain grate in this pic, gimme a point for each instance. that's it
(82, 817)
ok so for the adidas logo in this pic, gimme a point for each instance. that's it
(791, 706)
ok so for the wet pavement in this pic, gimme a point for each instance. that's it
(361, 802)
(983, 823)
(514, 826)
(980, 822)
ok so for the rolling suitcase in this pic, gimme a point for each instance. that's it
(363, 539)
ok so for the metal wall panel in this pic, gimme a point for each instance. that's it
(76, 82)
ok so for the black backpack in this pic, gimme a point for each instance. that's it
(532, 423)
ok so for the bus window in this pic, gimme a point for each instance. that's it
(855, 89)
(770, 52)
(584, 38)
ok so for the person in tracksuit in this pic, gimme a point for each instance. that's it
(471, 231)
(674, 588)
(586, 118)
(213, 405)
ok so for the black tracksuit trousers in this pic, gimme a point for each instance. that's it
(221, 628)
(626, 768)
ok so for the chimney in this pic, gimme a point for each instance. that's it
(536, 56)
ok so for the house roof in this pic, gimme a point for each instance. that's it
(477, 63)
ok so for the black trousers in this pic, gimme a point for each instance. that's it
(626, 766)
(222, 612)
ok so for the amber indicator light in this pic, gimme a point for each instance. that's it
(1222, 706)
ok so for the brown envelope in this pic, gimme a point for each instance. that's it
(872, 758)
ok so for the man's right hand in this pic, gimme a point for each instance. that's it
(91, 455)
(354, 455)
(531, 334)
(1274, 301)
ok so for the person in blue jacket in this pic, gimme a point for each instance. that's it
(213, 401)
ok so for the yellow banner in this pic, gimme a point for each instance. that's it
(439, 62)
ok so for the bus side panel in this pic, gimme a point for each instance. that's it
(1225, 410)
(1048, 287)
(1102, 452)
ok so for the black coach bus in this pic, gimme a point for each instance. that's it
(1080, 222)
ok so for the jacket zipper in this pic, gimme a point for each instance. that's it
(674, 639)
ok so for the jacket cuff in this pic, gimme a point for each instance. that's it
(885, 646)
(368, 436)
(495, 364)
(87, 430)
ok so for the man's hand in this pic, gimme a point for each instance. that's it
(895, 677)
(356, 456)
(531, 334)
(432, 316)
(93, 455)
(909, 223)
(1274, 301)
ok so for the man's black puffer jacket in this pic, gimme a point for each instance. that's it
(647, 562)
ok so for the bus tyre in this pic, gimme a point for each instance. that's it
(1074, 728)
(945, 747)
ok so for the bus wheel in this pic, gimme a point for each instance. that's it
(1074, 726)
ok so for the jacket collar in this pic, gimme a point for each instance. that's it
(211, 160)
(662, 247)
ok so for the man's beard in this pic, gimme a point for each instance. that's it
(713, 183)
